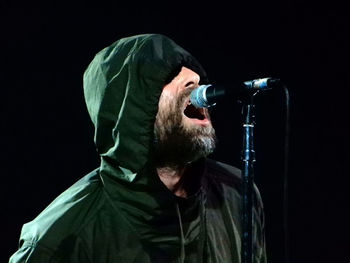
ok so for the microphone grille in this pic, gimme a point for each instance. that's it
(198, 97)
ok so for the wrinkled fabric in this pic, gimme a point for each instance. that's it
(122, 212)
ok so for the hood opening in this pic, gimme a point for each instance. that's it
(122, 86)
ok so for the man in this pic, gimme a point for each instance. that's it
(155, 197)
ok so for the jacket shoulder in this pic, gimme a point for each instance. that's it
(61, 221)
(225, 186)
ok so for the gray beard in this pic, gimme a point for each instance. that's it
(176, 144)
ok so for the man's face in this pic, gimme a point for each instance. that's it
(183, 133)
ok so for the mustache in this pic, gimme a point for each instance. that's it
(183, 96)
(186, 92)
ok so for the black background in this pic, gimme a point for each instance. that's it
(47, 136)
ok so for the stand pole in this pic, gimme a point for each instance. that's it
(248, 159)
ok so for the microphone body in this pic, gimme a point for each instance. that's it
(207, 95)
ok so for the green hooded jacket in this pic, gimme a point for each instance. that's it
(122, 212)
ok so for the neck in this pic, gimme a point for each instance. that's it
(171, 177)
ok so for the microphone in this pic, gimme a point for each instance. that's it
(207, 95)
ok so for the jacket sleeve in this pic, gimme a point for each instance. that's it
(31, 252)
(36, 253)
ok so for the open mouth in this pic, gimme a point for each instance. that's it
(194, 113)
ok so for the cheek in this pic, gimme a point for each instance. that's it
(163, 101)
(164, 106)
(166, 100)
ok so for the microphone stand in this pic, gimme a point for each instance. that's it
(248, 160)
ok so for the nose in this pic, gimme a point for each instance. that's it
(190, 77)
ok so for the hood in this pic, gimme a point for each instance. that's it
(122, 86)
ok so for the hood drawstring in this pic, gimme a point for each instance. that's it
(182, 251)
